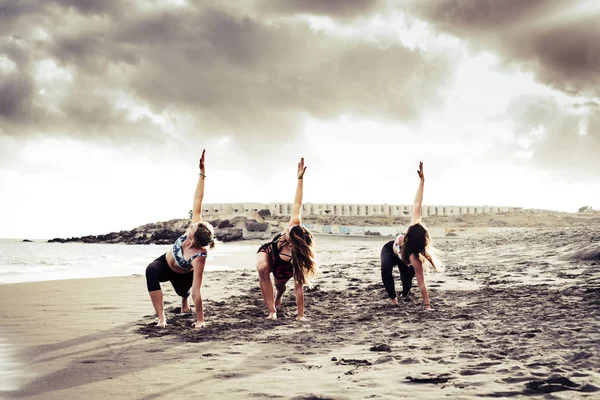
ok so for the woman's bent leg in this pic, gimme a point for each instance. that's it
(407, 274)
(266, 287)
(157, 301)
(182, 283)
(388, 261)
(279, 291)
(156, 272)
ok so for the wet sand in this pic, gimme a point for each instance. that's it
(516, 314)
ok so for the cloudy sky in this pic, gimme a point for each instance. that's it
(105, 106)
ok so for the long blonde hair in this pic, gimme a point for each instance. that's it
(303, 254)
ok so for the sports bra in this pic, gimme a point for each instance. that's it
(178, 254)
(276, 250)
(397, 246)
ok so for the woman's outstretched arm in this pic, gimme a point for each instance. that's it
(198, 272)
(418, 266)
(299, 292)
(297, 207)
(416, 215)
(199, 193)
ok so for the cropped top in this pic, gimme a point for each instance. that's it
(276, 252)
(178, 254)
(397, 247)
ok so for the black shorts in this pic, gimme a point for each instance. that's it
(159, 271)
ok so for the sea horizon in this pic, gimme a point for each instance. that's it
(42, 261)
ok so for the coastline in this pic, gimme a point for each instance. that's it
(240, 228)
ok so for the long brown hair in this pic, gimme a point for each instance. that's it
(303, 254)
(418, 242)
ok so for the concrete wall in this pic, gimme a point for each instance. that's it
(355, 230)
(229, 210)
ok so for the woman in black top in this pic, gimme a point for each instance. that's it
(290, 254)
(408, 251)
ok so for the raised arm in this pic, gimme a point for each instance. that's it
(199, 193)
(297, 207)
(416, 215)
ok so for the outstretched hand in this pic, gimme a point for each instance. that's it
(201, 163)
(420, 171)
(301, 168)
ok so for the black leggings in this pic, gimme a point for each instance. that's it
(159, 271)
(388, 260)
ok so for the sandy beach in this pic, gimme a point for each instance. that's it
(516, 314)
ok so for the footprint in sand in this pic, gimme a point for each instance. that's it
(358, 363)
(557, 384)
(381, 347)
(434, 380)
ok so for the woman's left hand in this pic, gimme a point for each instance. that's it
(201, 164)
(420, 171)
(301, 168)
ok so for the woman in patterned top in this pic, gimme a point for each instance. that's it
(183, 264)
(290, 254)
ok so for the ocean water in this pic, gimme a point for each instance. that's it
(42, 261)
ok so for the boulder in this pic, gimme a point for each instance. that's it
(229, 234)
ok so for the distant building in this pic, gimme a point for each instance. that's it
(229, 210)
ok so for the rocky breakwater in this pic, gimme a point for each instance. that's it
(241, 228)
(238, 228)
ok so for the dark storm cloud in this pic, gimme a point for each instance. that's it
(12, 10)
(16, 94)
(557, 39)
(231, 73)
(17, 86)
(240, 74)
(94, 7)
(330, 8)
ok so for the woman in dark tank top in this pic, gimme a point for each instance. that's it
(289, 255)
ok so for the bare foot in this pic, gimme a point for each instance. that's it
(395, 301)
(185, 305)
(272, 316)
(162, 321)
(198, 324)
